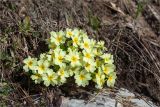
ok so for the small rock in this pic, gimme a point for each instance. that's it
(123, 96)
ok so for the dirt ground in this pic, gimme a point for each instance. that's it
(130, 29)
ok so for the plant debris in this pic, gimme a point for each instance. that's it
(135, 42)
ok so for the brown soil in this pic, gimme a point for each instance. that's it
(132, 34)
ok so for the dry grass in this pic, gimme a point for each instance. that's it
(26, 24)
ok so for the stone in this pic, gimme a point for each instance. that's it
(122, 98)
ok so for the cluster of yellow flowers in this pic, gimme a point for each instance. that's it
(72, 54)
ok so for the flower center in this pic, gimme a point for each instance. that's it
(30, 63)
(70, 33)
(60, 58)
(107, 59)
(42, 67)
(59, 38)
(75, 40)
(37, 76)
(86, 45)
(88, 55)
(88, 65)
(62, 73)
(106, 70)
(50, 78)
(110, 78)
(53, 46)
(74, 58)
(81, 77)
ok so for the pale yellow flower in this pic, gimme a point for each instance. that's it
(57, 37)
(74, 58)
(73, 70)
(76, 40)
(82, 79)
(43, 56)
(59, 57)
(100, 44)
(97, 52)
(100, 80)
(86, 44)
(93, 42)
(37, 78)
(63, 74)
(108, 68)
(108, 58)
(90, 66)
(30, 63)
(72, 54)
(42, 66)
(111, 79)
(83, 34)
(76, 32)
(88, 56)
(69, 33)
(50, 78)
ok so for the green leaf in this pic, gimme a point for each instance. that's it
(140, 8)
(27, 24)
(94, 22)
(4, 56)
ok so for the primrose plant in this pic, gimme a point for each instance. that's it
(72, 54)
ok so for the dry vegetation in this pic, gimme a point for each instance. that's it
(131, 30)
